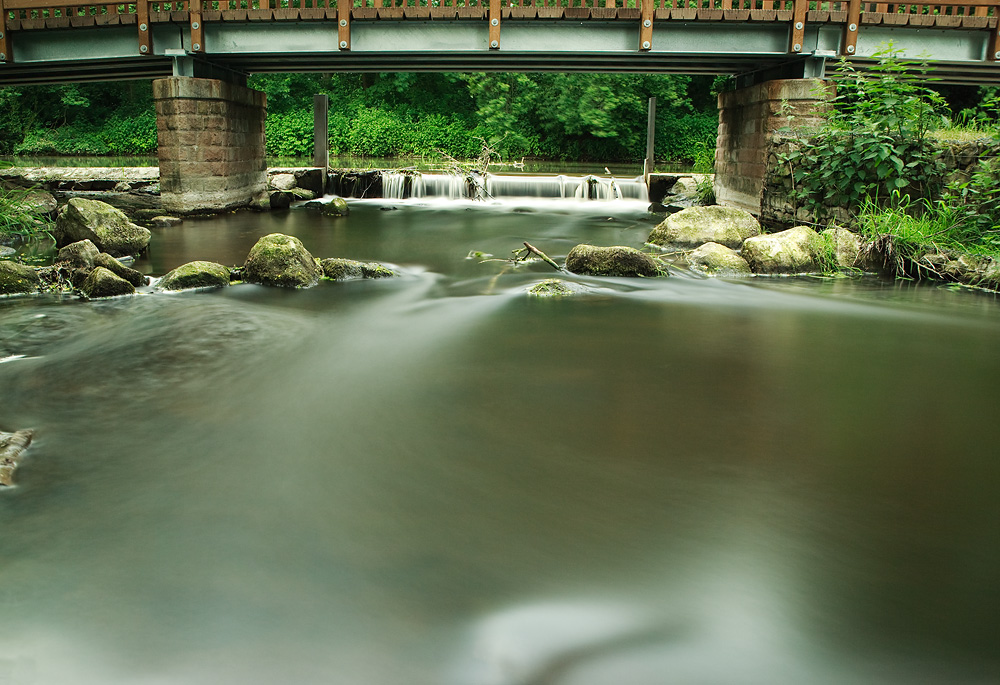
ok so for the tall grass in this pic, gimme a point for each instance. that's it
(20, 218)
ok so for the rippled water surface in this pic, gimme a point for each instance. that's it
(438, 480)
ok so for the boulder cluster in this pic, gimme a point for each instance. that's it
(723, 241)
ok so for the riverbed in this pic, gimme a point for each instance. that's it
(437, 479)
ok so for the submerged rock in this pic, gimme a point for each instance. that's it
(103, 283)
(336, 206)
(281, 260)
(696, 226)
(195, 275)
(346, 269)
(108, 228)
(552, 287)
(611, 261)
(12, 446)
(78, 255)
(165, 221)
(794, 251)
(718, 260)
(17, 278)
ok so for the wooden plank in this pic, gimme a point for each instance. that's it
(235, 15)
(286, 14)
(344, 24)
(993, 51)
(417, 12)
(447, 12)
(82, 20)
(312, 13)
(5, 53)
(530, 13)
(647, 14)
(494, 18)
(849, 42)
(797, 35)
(550, 12)
(364, 13)
(197, 24)
(145, 29)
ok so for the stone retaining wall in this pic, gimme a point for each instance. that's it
(211, 144)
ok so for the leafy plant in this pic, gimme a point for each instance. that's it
(875, 140)
(19, 217)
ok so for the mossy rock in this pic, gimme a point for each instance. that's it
(17, 278)
(78, 255)
(843, 246)
(281, 260)
(795, 251)
(337, 269)
(120, 270)
(195, 275)
(552, 287)
(714, 259)
(108, 228)
(696, 226)
(336, 206)
(103, 283)
(617, 260)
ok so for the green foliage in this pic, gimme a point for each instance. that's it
(130, 135)
(19, 217)
(874, 142)
(976, 205)
(289, 134)
(913, 225)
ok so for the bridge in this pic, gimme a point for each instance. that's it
(211, 126)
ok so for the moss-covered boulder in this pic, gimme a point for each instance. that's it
(718, 260)
(795, 251)
(17, 278)
(696, 226)
(842, 246)
(336, 206)
(195, 275)
(617, 260)
(346, 269)
(108, 228)
(552, 287)
(281, 260)
(78, 255)
(102, 283)
(120, 270)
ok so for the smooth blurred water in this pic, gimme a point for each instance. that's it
(438, 480)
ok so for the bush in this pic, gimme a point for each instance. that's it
(134, 135)
(289, 134)
(66, 140)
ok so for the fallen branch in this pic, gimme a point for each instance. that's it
(534, 250)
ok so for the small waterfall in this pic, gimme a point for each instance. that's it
(398, 185)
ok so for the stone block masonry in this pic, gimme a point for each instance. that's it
(211, 144)
(750, 121)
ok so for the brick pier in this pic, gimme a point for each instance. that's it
(751, 120)
(211, 144)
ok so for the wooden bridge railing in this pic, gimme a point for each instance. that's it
(26, 15)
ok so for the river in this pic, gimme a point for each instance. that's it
(439, 480)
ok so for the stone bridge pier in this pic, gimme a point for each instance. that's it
(752, 121)
(211, 143)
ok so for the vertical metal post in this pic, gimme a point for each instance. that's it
(647, 167)
(321, 137)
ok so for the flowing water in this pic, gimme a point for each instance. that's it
(439, 480)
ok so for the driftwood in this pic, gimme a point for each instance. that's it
(12, 445)
(545, 257)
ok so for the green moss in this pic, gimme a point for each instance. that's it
(103, 283)
(617, 260)
(17, 278)
(698, 225)
(281, 260)
(197, 274)
(553, 287)
(120, 270)
(337, 269)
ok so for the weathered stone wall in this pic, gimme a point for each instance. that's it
(779, 209)
(749, 121)
(211, 143)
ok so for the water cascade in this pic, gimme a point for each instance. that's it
(402, 185)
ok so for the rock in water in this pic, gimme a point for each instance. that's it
(794, 251)
(552, 287)
(281, 260)
(120, 270)
(696, 226)
(283, 181)
(78, 255)
(718, 260)
(108, 228)
(17, 278)
(103, 283)
(12, 445)
(195, 275)
(165, 221)
(346, 269)
(846, 246)
(611, 261)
